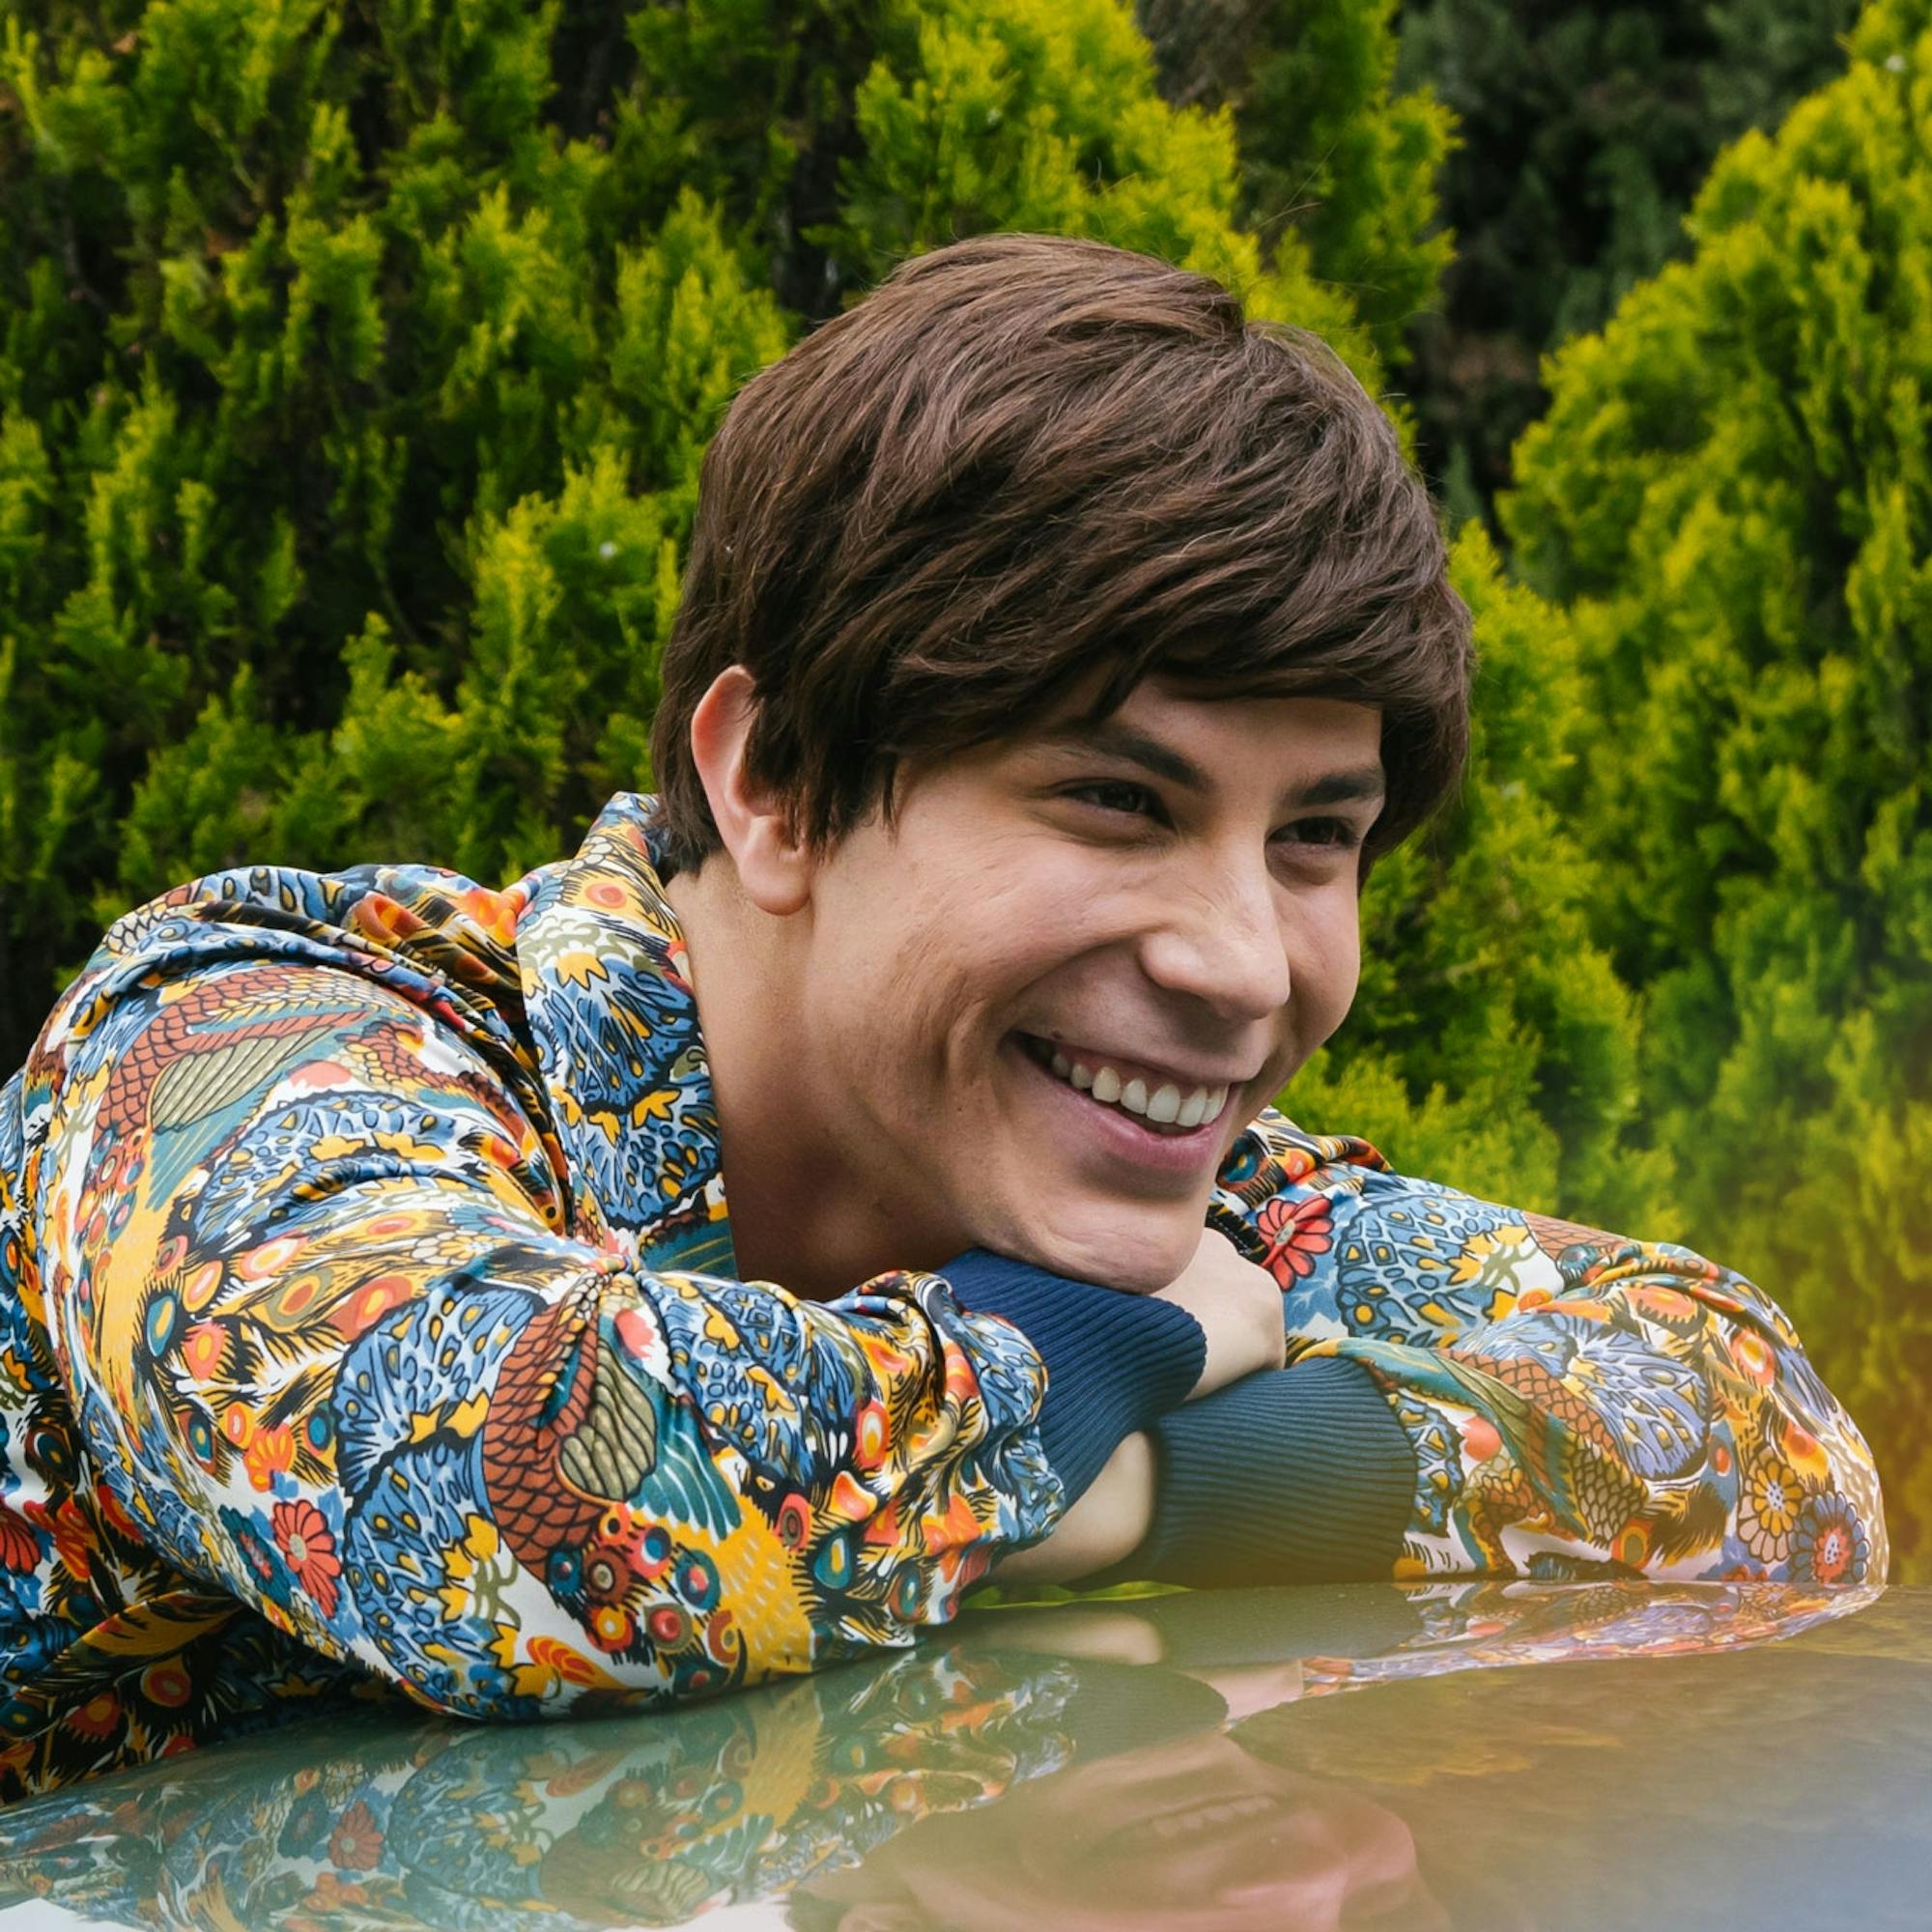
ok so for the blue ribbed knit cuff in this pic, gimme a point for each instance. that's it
(1114, 1362)
(1297, 1475)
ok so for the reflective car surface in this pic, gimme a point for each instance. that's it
(1487, 1756)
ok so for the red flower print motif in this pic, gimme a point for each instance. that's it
(19, 1546)
(1297, 1230)
(68, 1525)
(357, 1843)
(101, 1717)
(302, 1536)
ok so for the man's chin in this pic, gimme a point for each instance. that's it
(1119, 1250)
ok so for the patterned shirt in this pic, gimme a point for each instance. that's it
(369, 1316)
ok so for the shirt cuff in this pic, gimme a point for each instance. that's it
(1297, 1475)
(1114, 1362)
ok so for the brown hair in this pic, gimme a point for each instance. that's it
(1024, 460)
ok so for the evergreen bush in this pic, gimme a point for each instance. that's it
(1585, 128)
(355, 365)
(1332, 154)
(1731, 499)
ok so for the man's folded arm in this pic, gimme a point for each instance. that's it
(337, 1353)
(1475, 1390)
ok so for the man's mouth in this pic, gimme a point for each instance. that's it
(1158, 1104)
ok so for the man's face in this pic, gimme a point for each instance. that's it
(1069, 936)
(1193, 1835)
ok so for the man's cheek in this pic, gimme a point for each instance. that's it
(1327, 988)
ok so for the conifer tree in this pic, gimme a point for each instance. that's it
(1332, 147)
(1584, 129)
(349, 429)
(1043, 114)
(356, 367)
(1732, 499)
(1332, 151)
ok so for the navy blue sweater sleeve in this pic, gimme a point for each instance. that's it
(1295, 1475)
(1116, 1363)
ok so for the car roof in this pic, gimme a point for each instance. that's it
(1576, 1754)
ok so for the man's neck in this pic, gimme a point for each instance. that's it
(799, 1215)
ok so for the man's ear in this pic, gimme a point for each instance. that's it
(774, 867)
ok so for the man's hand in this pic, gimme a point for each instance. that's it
(1106, 1524)
(1238, 1307)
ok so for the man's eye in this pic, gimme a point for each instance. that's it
(1116, 795)
(1338, 833)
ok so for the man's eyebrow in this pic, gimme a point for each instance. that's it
(1362, 783)
(1112, 738)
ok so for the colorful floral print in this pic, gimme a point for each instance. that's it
(1297, 1234)
(1829, 1542)
(308, 1546)
(1774, 1492)
(369, 1320)
(1580, 1405)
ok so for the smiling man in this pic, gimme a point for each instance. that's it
(851, 1174)
(1109, 946)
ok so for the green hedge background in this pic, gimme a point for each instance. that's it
(357, 358)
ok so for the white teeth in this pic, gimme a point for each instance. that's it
(1165, 1106)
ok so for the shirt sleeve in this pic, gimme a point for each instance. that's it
(340, 1348)
(1574, 1403)
(1115, 1363)
(1297, 1475)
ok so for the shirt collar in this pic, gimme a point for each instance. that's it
(614, 1017)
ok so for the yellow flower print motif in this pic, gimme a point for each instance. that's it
(479, 1570)
(1772, 1495)
(1495, 1258)
(579, 966)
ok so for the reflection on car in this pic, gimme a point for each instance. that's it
(1611, 1753)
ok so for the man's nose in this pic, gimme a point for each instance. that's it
(1219, 937)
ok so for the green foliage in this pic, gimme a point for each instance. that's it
(1337, 166)
(337, 388)
(1732, 495)
(1329, 144)
(355, 365)
(1491, 1041)
(1584, 132)
(750, 102)
(841, 138)
(1042, 115)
